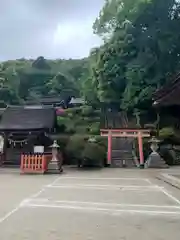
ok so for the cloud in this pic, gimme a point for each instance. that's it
(51, 28)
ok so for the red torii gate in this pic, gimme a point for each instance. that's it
(133, 133)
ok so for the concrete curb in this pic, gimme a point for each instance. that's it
(168, 178)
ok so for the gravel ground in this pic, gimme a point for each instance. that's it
(94, 205)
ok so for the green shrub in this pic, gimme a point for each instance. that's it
(75, 147)
(70, 115)
(87, 111)
(97, 112)
(169, 155)
(74, 110)
(80, 129)
(61, 120)
(62, 128)
(87, 120)
(102, 141)
(93, 155)
(95, 128)
(62, 141)
(166, 132)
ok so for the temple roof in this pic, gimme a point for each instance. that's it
(45, 100)
(22, 118)
(169, 94)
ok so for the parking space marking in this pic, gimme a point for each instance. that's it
(106, 187)
(9, 214)
(46, 200)
(106, 178)
(174, 199)
(103, 210)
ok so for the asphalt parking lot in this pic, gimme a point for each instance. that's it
(99, 205)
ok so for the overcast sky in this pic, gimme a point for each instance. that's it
(49, 28)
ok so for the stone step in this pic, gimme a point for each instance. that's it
(121, 163)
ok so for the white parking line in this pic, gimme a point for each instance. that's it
(19, 206)
(163, 190)
(105, 210)
(9, 214)
(54, 202)
(106, 187)
(106, 178)
(147, 180)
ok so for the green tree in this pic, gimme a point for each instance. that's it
(139, 36)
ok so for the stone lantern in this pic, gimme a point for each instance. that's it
(154, 160)
(154, 144)
(55, 163)
(55, 148)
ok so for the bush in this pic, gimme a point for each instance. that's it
(166, 132)
(62, 141)
(93, 155)
(87, 111)
(169, 155)
(74, 110)
(75, 147)
(102, 141)
(61, 120)
(95, 128)
(81, 129)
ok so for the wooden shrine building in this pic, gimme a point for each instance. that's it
(167, 102)
(169, 95)
(22, 128)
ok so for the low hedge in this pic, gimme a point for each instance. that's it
(74, 148)
(93, 155)
(81, 152)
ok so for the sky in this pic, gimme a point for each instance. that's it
(50, 28)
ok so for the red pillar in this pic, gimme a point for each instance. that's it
(140, 144)
(109, 147)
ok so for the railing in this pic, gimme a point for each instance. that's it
(34, 163)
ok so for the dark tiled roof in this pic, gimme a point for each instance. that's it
(21, 118)
(168, 91)
(46, 100)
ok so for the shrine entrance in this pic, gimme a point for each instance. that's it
(120, 146)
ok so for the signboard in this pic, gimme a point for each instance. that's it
(38, 149)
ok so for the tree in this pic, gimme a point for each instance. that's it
(139, 36)
(21, 79)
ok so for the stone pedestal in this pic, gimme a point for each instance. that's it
(54, 166)
(155, 161)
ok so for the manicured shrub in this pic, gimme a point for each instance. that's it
(95, 128)
(87, 111)
(75, 147)
(166, 132)
(80, 129)
(93, 155)
(74, 110)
